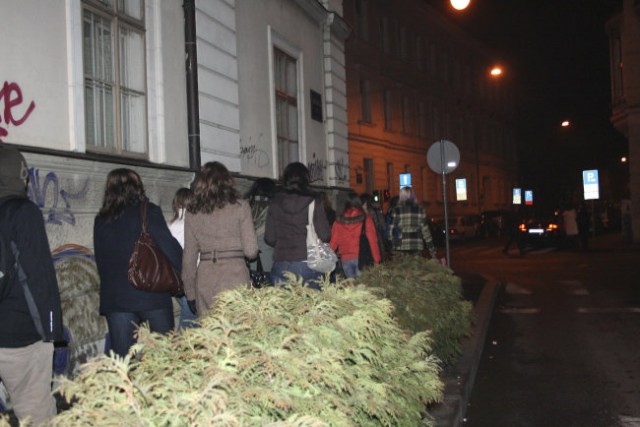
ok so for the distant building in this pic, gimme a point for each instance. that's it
(624, 41)
(414, 78)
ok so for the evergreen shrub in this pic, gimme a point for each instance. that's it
(426, 296)
(281, 357)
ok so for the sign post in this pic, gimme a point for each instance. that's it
(591, 192)
(443, 158)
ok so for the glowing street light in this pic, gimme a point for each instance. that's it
(565, 124)
(623, 159)
(460, 4)
(496, 71)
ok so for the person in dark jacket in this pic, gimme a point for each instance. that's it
(30, 311)
(286, 227)
(345, 235)
(116, 229)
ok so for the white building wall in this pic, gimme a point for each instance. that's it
(299, 28)
(41, 53)
(218, 82)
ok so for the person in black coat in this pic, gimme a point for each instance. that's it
(116, 229)
(30, 310)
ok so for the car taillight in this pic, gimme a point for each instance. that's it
(552, 227)
(522, 227)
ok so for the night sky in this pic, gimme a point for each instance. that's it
(557, 54)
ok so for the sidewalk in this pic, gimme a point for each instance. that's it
(459, 379)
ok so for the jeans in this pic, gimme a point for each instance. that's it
(122, 326)
(350, 268)
(187, 318)
(310, 277)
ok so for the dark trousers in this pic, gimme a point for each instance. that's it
(299, 268)
(122, 326)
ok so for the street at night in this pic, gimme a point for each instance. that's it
(562, 346)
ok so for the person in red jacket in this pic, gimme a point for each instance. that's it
(345, 235)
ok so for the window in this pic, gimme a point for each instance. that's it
(385, 36)
(406, 115)
(368, 173)
(615, 47)
(114, 76)
(286, 84)
(362, 19)
(388, 123)
(365, 101)
(422, 120)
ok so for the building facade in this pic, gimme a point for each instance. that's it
(163, 86)
(624, 36)
(272, 87)
(414, 79)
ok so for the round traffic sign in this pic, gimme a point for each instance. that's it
(443, 156)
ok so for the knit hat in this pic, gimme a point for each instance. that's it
(13, 172)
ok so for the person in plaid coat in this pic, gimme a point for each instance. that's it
(410, 220)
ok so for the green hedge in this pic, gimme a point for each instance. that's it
(426, 296)
(268, 357)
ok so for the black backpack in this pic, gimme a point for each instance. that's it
(7, 258)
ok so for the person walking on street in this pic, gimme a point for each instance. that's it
(569, 219)
(511, 224)
(409, 228)
(286, 228)
(116, 229)
(584, 225)
(30, 310)
(219, 232)
(345, 235)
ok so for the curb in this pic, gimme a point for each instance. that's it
(458, 382)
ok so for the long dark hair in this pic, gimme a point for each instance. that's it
(180, 201)
(296, 178)
(353, 201)
(214, 189)
(123, 188)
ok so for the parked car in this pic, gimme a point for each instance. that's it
(460, 228)
(541, 232)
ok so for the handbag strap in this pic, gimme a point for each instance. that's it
(259, 264)
(310, 216)
(364, 226)
(143, 215)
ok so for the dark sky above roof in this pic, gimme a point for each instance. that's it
(557, 53)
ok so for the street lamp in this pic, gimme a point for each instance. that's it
(496, 71)
(460, 4)
(566, 123)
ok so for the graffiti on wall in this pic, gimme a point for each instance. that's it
(11, 98)
(317, 168)
(252, 154)
(48, 191)
(341, 169)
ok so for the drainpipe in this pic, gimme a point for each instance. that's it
(191, 63)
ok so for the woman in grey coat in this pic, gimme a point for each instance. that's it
(219, 231)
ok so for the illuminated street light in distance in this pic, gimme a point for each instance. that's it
(460, 4)
(496, 71)
(623, 159)
(565, 124)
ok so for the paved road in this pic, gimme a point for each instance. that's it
(563, 348)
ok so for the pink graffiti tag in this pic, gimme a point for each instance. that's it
(12, 96)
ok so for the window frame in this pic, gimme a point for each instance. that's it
(118, 20)
(289, 100)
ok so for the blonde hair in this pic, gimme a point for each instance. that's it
(407, 196)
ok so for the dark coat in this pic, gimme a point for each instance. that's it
(21, 220)
(113, 243)
(286, 228)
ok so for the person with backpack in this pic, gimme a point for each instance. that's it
(30, 310)
(346, 236)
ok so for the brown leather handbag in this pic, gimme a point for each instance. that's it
(149, 268)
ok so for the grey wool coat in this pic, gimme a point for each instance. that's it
(227, 232)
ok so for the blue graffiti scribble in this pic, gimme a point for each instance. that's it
(38, 195)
